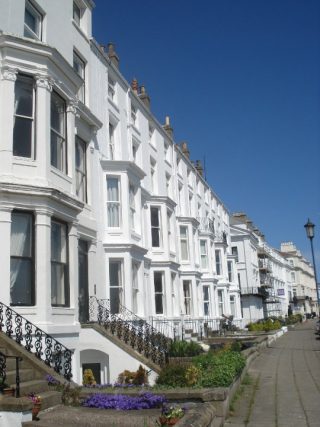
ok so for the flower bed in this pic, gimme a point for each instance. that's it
(124, 402)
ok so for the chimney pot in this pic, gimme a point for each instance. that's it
(134, 86)
(114, 58)
(184, 149)
(167, 127)
(144, 96)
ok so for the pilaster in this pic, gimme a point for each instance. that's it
(5, 232)
(73, 267)
(71, 121)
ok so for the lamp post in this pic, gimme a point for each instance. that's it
(309, 226)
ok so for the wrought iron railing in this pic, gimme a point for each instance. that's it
(3, 370)
(177, 328)
(131, 329)
(35, 340)
(206, 224)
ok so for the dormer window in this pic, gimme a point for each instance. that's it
(32, 22)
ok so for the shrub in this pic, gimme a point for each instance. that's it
(88, 377)
(264, 325)
(192, 375)
(219, 369)
(173, 376)
(138, 377)
(185, 349)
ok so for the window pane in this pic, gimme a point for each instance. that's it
(206, 293)
(115, 273)
(113, 215)
(155, 237)
(22, 137)
(115, 300)
(57, 151)
(21, 282)
(183, 232)
(58, 296)
(159, 303)
(112, 189)
(24, 97)
(21, 235)
(184, 250)
(155, 217)
(76, 13)
(58, 242)
(58, 114)
(158, 282)
(30, 20)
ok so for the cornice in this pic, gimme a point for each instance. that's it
(122, 166)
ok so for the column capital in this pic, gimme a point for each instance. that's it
(45, 82)
(72, 106)
(9, 73)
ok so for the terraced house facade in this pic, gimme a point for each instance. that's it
(102, 215)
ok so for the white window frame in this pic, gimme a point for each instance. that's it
(119, 286)
(233, 308)
(75, 7)
(220, 302)
(132, 206)
(28, 32)
(111, 89)
(135, 285)
(17, 117)
(60, 290)
(114, 203)
(79, 66)
(218, 262)
(158, 293)
(230, 271)
(81, 173)
(187, 297)
(155, 227)
(206, 301)
(184, 240)
(170, 237)
(111, 134)
(204, 254)
(61, 147)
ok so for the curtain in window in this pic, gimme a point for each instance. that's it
(23, 117)
(59, 293)
(21, 259)
(113, 202)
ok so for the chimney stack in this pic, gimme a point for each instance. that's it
(184, 149)
(134, 86)
(167, 127)
(198, 166)
(143, 95)
(114, 58)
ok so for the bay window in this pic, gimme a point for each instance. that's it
(135, 286)
(233, 305)
(113, 202)
(22, 259)
(218, 262)
(220, 303)
(132, 206)
(230, 271)
(24, 117)
(58, 133)
(59, 264)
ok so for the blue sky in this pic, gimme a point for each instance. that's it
(240, 80)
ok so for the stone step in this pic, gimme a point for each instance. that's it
(11, 364)
(25, 375)
(33, 386)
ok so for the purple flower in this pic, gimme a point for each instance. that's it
(123, 402)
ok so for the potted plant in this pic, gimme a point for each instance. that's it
(170, 415)
(5, 388)
(36, 400)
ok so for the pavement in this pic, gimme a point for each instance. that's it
(282, 388)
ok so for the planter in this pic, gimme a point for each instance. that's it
(168, 422)
(8, 391)
(35, 411)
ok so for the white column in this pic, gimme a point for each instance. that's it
(92, 270)
(73, 267)
(43, 264)
(7, 83)
(43, 112)
(5, 231)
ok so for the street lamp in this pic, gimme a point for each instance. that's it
(309, 226)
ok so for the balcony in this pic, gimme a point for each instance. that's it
(206, 225)
(254, 290)
(264, 264)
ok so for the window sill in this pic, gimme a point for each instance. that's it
(114, 105)
(80, 31)
(61, 174)
(135, 235)
(24, 161)
(157, 251)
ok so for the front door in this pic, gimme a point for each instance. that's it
(83, 282)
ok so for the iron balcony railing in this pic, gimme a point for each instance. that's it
(131, 329)
(36, 341)
(206, 225)
(254, 290)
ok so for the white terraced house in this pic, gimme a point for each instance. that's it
(109, 232)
